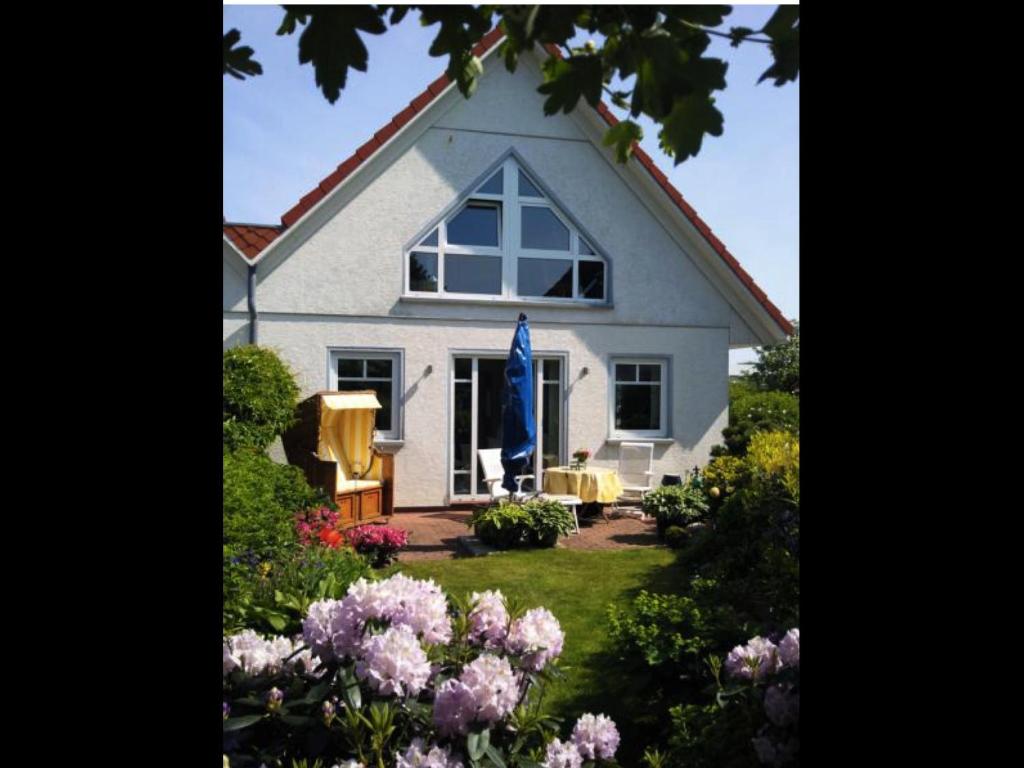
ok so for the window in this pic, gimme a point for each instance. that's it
(639, 397)
(381, 371)
(507, 240)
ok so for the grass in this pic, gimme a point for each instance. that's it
(577, 586)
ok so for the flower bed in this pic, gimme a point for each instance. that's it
(393, 675)
(379, 543)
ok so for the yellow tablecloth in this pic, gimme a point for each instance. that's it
(591, 484)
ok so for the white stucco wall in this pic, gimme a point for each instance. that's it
(353, 264)
(235, 280)
(341, 286)
(698, 376)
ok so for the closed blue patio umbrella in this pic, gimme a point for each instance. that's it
(519, 428)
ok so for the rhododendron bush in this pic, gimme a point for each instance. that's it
(755, 718)
(395, 674)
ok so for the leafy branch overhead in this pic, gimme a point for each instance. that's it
(657, 54)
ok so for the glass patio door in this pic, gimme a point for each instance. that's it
(477, 382)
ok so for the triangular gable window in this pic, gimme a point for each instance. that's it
(507, 239)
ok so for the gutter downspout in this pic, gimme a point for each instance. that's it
(252, 303)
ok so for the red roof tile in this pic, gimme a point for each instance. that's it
(253, 238)
(250, 239)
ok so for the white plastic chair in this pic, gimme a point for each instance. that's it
(494, 473)
(636, 462)
(570, 502)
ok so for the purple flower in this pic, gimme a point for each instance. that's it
(488, 619)
(789, 648)
(454, 708)
(394, 663)
(782, 705)
(561, 755)
(495, 687)
(596, 737)
(418, 756)
(537, 636)
(227, 710)
(759, 657)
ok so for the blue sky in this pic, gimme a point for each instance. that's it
(281, 137)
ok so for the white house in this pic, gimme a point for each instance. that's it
(404, 271)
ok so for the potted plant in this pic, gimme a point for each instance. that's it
(580, 455)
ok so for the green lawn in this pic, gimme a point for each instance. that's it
(577, 587)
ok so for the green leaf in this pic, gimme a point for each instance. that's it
(288, 22)
(238, 723)
(477, 743)
(784, 30)
(566, 80)
(622, 136)
(238, 62)
(331, 43)
(702, 15)
(683, 130)
(495, 756)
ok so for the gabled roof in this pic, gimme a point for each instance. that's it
(256, 237)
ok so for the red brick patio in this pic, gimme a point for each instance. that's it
(432, 535)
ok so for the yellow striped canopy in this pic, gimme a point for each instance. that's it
(346, 437)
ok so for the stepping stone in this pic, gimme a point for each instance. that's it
(473, 547)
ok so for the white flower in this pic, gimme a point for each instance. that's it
(759, 657)
(394, 663)
(488, 619)
(596, 737)
(789, 648)
(349, 764)
(416, 756)
(495, 687)
(537, 636)
(561, 755)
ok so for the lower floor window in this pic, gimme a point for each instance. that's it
(354, 370)
(639, 397)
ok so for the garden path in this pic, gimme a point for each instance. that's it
(432, 535)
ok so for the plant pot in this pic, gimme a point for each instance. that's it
(547, 540)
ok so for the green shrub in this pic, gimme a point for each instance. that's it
(740, 388)
(675, 505)
(259, 397)
(760, 412)
(548, 520)
(773, 459)
(504, 525)
(277, 595)
(722, 477)
(675, 536)
(663, 630)
(260, 500)
(510, 525)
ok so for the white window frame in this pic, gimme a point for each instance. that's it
(663, 430)
(397, 358)
(510, 250)
(476, 356)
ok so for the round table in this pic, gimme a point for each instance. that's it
(592, 484)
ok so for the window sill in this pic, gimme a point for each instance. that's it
(388, 445)
(655, 440)
(501, 301)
